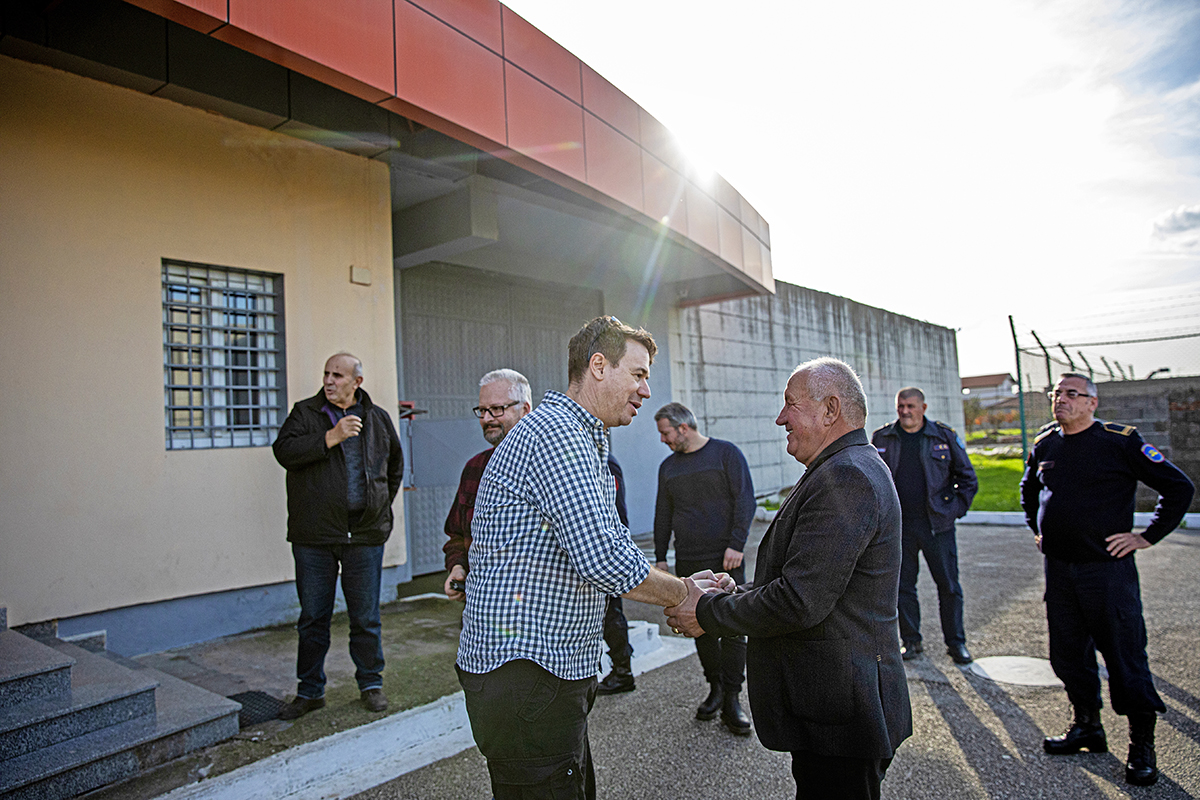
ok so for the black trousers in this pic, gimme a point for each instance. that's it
(532, 727)
(834, 778)
(1098, 606)
(723, 659)
(941, 556)
(616, 632)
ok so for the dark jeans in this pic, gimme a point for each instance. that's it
(941, 555)
(616, 633)
(316, 583)
(835, 778)
(1094, 606)
(531, 726)
(723, 659)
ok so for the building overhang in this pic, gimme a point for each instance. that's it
(507, 153)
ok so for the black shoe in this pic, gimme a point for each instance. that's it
(374, 700)
(1141, 769)
(1086, 733)
(712, 704)
(733, 717)
(301, 706)
(959, 654)
(910, 650)
(618, 681)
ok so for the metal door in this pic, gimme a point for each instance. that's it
(457, 324)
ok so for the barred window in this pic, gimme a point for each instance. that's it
(223, 358)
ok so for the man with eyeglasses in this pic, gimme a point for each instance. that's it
(547, 550)
(504, 397)
(1078, 495)
(936, 484)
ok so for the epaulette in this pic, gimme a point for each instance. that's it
(1045, 431)
(941, 424)
(1116, 427)
(1049, 426)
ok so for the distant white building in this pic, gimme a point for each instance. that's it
(989, 390)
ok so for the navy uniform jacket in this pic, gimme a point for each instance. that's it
(823, 656)
(1080, 488)
(949, 477)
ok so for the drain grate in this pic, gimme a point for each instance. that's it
(257, 707)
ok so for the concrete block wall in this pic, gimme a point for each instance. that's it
(731, 360)
(1166, 412)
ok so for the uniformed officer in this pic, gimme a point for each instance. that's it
(1078, 496)
(936, 484)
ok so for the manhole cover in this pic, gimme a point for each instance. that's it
(1019, 670)
(257, 707)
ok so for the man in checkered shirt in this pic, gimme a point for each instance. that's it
(547, 549)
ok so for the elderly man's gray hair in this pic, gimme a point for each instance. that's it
(518, 384)
(676, 414)
(829, 377)
(1091, 386)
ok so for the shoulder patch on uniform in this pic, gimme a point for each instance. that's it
(1151, 452)
(1046, 431)
(1116, 427)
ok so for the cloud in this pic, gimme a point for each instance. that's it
(1179, 229)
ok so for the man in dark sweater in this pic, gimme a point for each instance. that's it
(1078, 495)
(705, 496)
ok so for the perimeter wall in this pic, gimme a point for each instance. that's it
(731, 360)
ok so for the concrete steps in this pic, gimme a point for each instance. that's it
(72, 720)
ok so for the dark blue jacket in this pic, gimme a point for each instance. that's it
(949, 477)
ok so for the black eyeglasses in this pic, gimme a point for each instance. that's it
(495, 411)
(608, 318)
(1070, 394)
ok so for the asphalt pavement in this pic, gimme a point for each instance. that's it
(972, 737)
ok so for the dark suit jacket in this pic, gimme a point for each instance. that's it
(823, 657)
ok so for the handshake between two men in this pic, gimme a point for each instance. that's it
(682, 618)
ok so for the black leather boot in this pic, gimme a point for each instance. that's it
(1142, 767)
(617, 681)
(712, 704)
(1085, 734)
(732, 715)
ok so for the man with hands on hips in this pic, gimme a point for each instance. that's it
(1078, 494)
(826, 681)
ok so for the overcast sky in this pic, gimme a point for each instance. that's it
(952, 161)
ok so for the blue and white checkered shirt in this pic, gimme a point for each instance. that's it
(547, 546)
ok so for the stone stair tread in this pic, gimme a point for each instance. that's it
(94, 680)
(21, 657)
(180, 706)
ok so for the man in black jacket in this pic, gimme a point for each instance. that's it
(936, 484)
(1078, 494)
(344, 466)
(826, 681)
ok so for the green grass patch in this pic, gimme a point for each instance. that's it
(988, 433)
(999, 483)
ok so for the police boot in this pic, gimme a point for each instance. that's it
(712, 704)
(1142, 768)
(617, 681)
(1085, 734)
(732, 715)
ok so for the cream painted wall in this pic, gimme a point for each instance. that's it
(97, 185)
